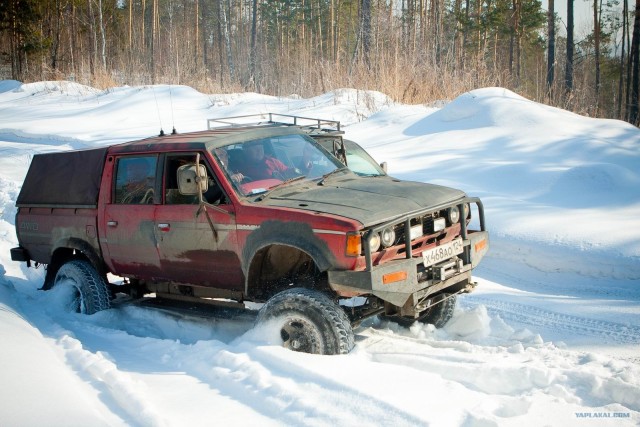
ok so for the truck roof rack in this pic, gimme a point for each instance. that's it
(312, 125)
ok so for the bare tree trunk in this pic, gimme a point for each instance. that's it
(143, 36)
(253, 53)
(437, 33)
(320, 37)
(516, 39)
(628, 72)
(366, 32)
(130, 24)
(73, 40)
(625, 17)
(57, 24)
(196, 39)
(635, 68)
(568, 76)
(103, 40)
(220, 38)
(205, 38)
(154, 31)
(227, 40)
(551, 49)
(457, 48)
(93, 42)
(15, 41)
(596, 41)
(332, 30)
(465, 34)
(512, 37)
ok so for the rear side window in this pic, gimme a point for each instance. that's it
(135, 180)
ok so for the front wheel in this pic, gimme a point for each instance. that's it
(88, 290)
(309, 322)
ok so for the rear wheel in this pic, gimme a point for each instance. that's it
(88, 291)
(438, 314)
(309, 322)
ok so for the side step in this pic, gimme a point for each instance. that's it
(198, 307)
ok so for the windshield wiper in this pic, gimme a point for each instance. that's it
(280, 185)
(333, 172)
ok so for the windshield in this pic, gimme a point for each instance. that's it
(256, 166)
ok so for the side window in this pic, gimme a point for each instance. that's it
(172, 195)
(135, 180)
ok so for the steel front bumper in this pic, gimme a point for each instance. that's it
(407, 280)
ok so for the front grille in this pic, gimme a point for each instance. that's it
(429, 238)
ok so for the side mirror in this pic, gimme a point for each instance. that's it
(383, 165)
(189, 177)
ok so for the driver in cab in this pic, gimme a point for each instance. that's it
(258, 166)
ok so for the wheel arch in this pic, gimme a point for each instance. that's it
(278, 251)
(276, 266)
(69, 249)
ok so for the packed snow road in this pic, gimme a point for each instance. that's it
(144, 366)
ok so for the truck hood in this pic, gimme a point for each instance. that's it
(369, 200)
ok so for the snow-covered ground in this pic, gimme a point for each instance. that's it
(551, 336)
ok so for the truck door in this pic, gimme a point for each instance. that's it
(129, 217)
(197, 245)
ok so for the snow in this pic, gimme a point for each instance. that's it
(550, 336)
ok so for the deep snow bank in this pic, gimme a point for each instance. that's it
(562, 191)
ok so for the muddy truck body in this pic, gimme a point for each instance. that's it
(321, 244)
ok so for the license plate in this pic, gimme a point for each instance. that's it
(442, 252)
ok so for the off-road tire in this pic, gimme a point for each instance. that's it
(309, 321)
(91, 291)
(437, 315)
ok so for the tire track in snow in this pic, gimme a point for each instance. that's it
(118, 385)
(255, 376)
(284, 389)
(536, 316)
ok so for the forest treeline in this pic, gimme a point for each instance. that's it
(415, 51)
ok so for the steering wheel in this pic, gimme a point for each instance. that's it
(245, 179)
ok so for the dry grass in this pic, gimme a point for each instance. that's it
(405, 79)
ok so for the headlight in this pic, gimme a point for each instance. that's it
(453, 214)
(374, 242)
(388, 237)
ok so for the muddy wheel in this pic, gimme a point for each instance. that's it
(437, 315)
(88, 291)
(309, 322)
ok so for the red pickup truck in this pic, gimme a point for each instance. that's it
(275, 212)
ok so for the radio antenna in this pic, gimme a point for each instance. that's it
(173, 122)
(157, 110)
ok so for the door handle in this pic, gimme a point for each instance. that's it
(163, 226)
(112, 223)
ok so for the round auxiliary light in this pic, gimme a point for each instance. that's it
(454, 214)
(388, 237)
(374, 242)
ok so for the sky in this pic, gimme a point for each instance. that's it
(550, 335)
(582, 15)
